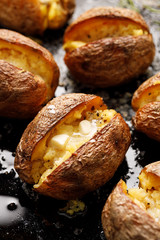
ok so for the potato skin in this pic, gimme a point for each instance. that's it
(111, 61)
(25, 15)
(89, 167)
(22, 94)
(122, 219)
(147, 120)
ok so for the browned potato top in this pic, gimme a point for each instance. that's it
(70, 147)
(34, 16)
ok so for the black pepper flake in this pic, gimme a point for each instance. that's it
(97, 114)
(149, 93)
(12, 206)
(92, 108)
(3, 158)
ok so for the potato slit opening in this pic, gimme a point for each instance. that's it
(53, 13)
(69, 135)
(96, 29)
(147, 196)
(151, 94)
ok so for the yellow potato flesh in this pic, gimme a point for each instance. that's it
(96, 29)
(148, 195)
(53, 12)
(150, 94)
(28, 60)
(52, 156)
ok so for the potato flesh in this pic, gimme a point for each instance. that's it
(52, 156)
(148, 195)
(27, 60)
(98, 29)
(53, 13)
(150, 95)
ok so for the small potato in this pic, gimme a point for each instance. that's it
(146, 100)
(34, 16)
(134, 213)
(108, 46)
(28, 75)
(73, 146)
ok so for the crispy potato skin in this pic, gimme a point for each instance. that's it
(111, 61)
(147, 120)
(23, 93)
(25, 15)
(94, 163)
(150, 85)
(21, 14)
(122, 219)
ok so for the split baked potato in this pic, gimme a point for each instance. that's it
(34, 16)
(134, 213)
(28, 75)
(73, 146)
(146, 101)
(108, 46)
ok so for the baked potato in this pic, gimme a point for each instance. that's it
(108, 46)
(34, 16)
(146, 101)
(73, 146)
(134, 213)
(28, 75)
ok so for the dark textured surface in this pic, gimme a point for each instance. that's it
(40, 218)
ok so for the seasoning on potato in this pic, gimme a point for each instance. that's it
(108, 46)
(134, 213)
(28, 75)
(146, 101)
(73, 146)
(34, 16)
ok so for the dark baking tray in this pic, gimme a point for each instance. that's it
(26, 215)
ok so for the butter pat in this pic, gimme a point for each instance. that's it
(85, 127)
(59, 141)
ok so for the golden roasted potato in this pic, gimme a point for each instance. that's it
(108, 46)
(134, 213)
(146, 100)
(34, 16)
(28, 75)
(73, 146)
